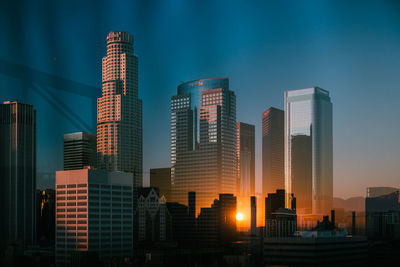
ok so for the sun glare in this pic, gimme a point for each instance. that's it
(239, 216)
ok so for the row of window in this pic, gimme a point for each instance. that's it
(71, 185)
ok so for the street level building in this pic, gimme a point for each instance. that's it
(94, 214)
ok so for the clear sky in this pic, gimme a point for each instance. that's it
(351, 48)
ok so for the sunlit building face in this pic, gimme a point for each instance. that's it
(203, 141)
(119, 110)
(308, 149)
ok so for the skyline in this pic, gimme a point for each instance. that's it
(361, 158)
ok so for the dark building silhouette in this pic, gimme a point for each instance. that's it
(279, 221)
(217, 225)
(17, 173)
(161, 178)
(45, 216)
(182, 221)
(283, 223)
(253, 215)
(79, 150)
(151, 218)
(382, 211)
(323, 245)
(192, 205)
(273, 176)
(245, 159)
(274, 201)
(183, 227)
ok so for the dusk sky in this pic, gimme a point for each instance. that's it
(350, 48)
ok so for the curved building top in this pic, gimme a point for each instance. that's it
(119, 37)
(194, 89)
(203, 84)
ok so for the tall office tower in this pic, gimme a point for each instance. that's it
(161, 178)
(273, 176)
(308, 150)
(17, 173)
(79, 150)
(119, 110)
(93, 214)
(253, 224)
(245, 154)
(203, 141)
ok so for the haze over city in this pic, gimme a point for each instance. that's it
(349, 49)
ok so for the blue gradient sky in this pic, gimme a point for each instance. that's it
(351, 48)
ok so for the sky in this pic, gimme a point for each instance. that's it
(350, 48)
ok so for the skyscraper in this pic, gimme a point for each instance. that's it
(203, 141)
(79, 150)
(119, 110)
(273, 176)
(245, 159)
(17, 173)
(308, 149)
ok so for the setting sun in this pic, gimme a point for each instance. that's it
(239, 216)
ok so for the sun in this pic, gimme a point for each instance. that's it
(239, 216)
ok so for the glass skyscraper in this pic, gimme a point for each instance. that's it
(308, 150)
(273, 176)
(245, 137)
(203, 141)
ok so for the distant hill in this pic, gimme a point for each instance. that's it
(353, 203)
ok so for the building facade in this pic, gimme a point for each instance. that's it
(308, 149)
(253, 212)
(119, 110)
(151, 222)
(280, 221)
(161, 178)
(331, 251)
(273, 176)
(245, 159)
(79, 150)
(45, 216)
(17, 173)
(382, 213)
(216, 225)
(94, 214)
(203, 141)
